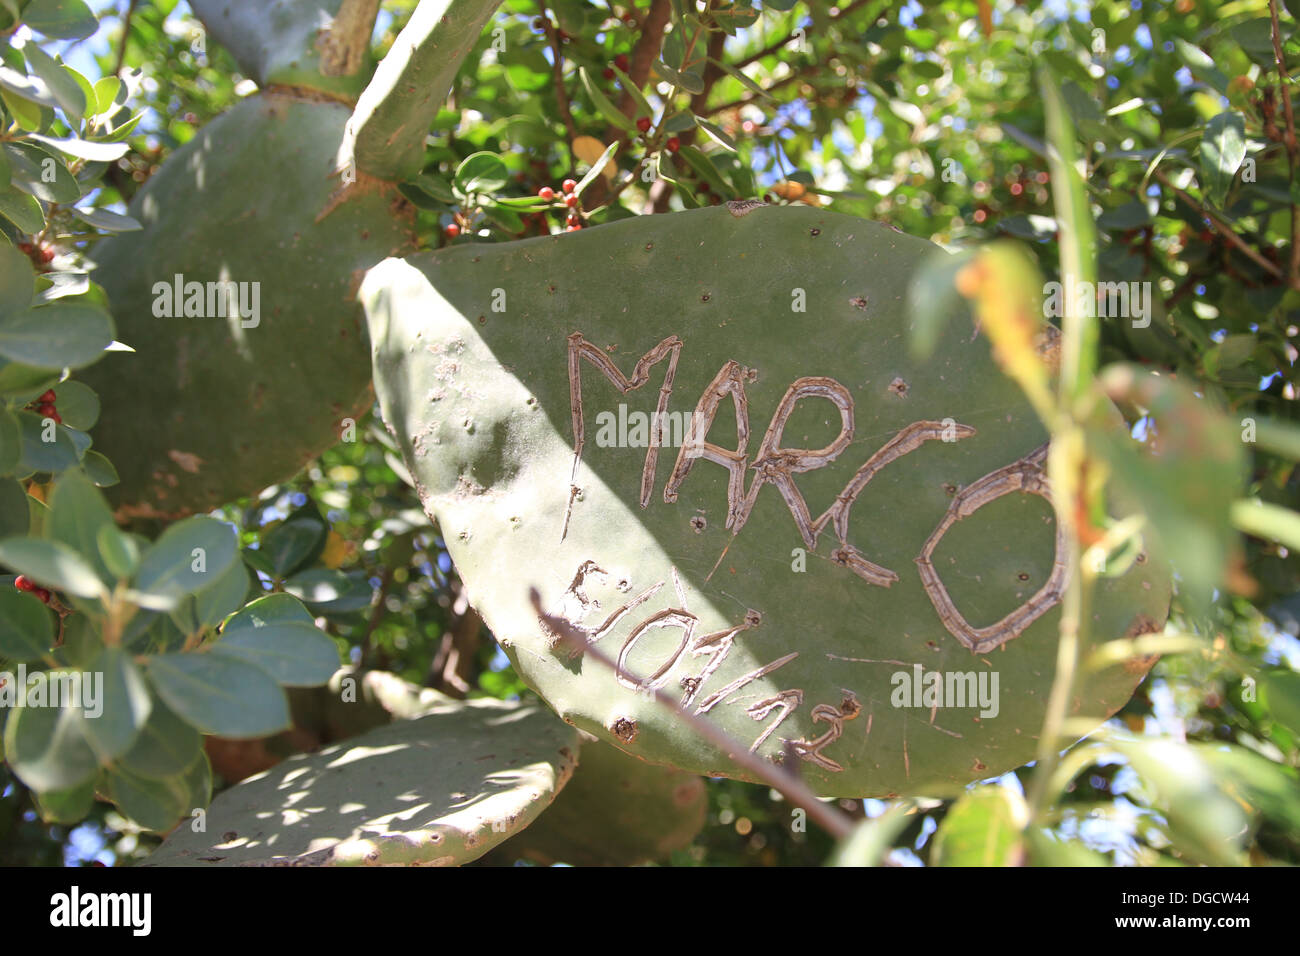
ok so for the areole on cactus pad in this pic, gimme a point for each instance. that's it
(599, 416)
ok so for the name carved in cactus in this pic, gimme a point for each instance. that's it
(776, 465)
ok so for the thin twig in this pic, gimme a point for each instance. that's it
(1223, 229)
(1292, 147)
(126, 32)
(835, 822)
(557, 69)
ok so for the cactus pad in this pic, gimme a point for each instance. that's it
(212, 405)
(885, 612)
(440, 789)
(616, 811)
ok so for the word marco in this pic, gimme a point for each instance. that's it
(772, 463)
(225, 299)
(56, 689)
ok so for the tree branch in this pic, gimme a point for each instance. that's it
(795, 790)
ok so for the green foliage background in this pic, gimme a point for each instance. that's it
(917, 114)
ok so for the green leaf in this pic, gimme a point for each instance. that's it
(15, 517)
(17, 280)
(219, 694)
(28, 88)
(189, 556)
(1268, 521)
(51, 565)
(52, 456)
(167, 746)
(61, 84)
(330, 592)
(61, 19)
(11, 442)
(1223, 148)
(933, 299)
(106, 89)
(297, 655)
(872, 839)
(22, 210)
(754, 87)
(78, 405)
(1281, 697)
(605, 106)
(67, 806)
(118, 551)
(1048, 849)
(212, 605)
(1077, 244)
(124, 703)
(41, 174)
(1204, 823)
(78, 514)
(1201, 65)
(983, 828)
(87, 150)
(295, 542)
(705, 169)
(716, 134)
(106, 220)
(46, 747)
(26, 626)
(58, 335)
(480, 173)
(595, 170)
(100, 469)
(643, 107)
(272, 609)
(154, 804)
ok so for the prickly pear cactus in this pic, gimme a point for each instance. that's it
(830, 548)
(239, 294)
(616, 811)
(282, 356)
(440, 789)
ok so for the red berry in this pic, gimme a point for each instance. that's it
(629, 19)
(57, 420)
(569, 185)
(571, 200)
(49, 396)
(452, 231)
(673, 144)
(24, 583)
(574, 228)
(643, 124)
(43, 594)
(547, 193)
(573, 219)
(607, 73)
(47, 254)
(621, 62)
(46, 410)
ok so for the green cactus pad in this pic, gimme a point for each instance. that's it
(820, 644)
(321, 45)
(440, 789)
(616, 811)
(213, 407)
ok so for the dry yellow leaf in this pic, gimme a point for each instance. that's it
(589, 150)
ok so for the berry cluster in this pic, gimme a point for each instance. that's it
(24, 583)
(573, 222)
(44, 406)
